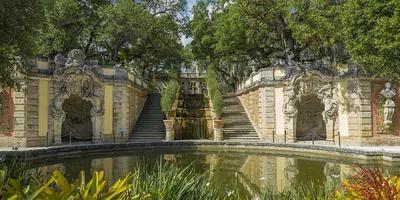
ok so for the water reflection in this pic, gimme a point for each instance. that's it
(246, 174)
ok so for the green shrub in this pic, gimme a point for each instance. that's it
(214, 91)
(58, 187)
(168, 95)
(167, 182)
(153, 85)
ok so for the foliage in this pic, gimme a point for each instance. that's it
(144, 33)
(371, 33)
(166, 181)
(168, 95)
(240, 33)
(307, 191)
(370, 183)
(20, 21)
(214, 91)
(58, 187)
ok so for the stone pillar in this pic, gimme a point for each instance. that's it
(169, 130)
(365, 111)
(97, 122)
(291, 129)
(268, 113)
(359, 109)
(218, 130)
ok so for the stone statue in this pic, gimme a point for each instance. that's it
(388, 108)
(57, 110)
(60, 60)
(97, 106)
(290, 104)
(76, 58)
(330, 108)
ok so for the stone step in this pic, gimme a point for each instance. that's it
(236, 121)
(150, 125)
(229, 95)
(153, 124)
(148, 136)
(150, 120)
(239, 129)
(146, 132)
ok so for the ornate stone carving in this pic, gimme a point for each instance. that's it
(311, 84)
(60, 60)
(330, 107)
(77, 79)
(290, 109)
(388, 108)
(76, 58)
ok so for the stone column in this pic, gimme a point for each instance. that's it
(218, 130)
(169, 130)
(97, 123)
(268, 116)
(291, 129)
(58, 129)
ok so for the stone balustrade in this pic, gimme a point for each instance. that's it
(108, 73)
(262, 76)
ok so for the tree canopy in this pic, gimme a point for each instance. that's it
(235, 36)
(19, 30)
(144, 33)
(239, 34)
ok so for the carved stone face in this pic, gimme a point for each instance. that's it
(388, 85)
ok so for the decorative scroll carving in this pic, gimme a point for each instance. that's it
(75, 78)
(312, 84)
(389, 107)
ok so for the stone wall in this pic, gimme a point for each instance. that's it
(252, 103)
(32, 112)
(128, 103)
(360, 110)
(16, 134)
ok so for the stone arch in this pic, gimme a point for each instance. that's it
(309, 122)
(311, 83)
(74, 78)
(77, 120)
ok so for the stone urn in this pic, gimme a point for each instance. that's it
(169, 130)
(218, 130)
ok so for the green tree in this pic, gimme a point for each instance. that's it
(71, 24)
(251, 34)
(372, 36)
(20, 22)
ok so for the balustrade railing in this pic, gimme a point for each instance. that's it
(263, 75)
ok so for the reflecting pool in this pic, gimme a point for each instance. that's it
(245, 173)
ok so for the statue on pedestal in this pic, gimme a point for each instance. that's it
(388, 108)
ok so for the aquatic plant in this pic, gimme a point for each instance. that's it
(309, 191)
(169, 182)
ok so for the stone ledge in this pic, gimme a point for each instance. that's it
(392, 154)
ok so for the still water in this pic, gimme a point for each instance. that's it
(246, 174)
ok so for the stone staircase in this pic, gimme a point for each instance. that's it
(237, 125)
(150, 125)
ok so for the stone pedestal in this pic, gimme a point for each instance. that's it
(169, 130)
(218, 130)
